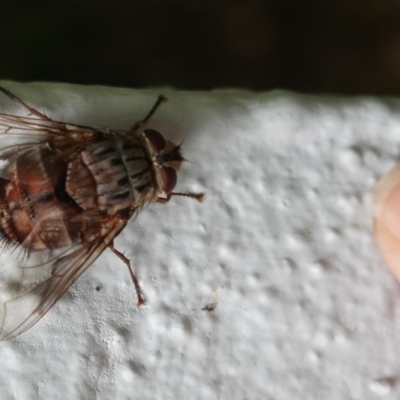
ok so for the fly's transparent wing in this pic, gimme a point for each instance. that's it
(35, 130)
(19, 135)
(18, 125)
(40, 286)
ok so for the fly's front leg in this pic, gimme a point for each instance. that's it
(139, 294)
(20, 102)
(144, 121)
(197, 196)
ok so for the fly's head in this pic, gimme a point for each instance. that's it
(167, 159)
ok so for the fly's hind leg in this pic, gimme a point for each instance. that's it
(144, 121)
(139, 294)
(23, 104)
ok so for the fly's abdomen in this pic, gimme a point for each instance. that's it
(35, 211)
(111, 176)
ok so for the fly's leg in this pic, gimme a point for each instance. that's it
(197, 196)
(139, 294)
(144, 121)
(20, 102)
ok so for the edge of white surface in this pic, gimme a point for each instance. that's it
(306, 308)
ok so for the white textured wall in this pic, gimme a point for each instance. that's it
(306, 307)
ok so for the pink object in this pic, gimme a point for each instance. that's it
(386, 208)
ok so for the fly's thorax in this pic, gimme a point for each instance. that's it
(166, 158)
(112, 175)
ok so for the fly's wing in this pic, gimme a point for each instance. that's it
(35, 130)
(40, 286)
(19, 134)
(15, 124)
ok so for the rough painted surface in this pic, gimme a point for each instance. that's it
(305, 307)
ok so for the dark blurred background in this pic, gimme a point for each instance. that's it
(337, 46)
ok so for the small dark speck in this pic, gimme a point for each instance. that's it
(209, 307)
(213, 304)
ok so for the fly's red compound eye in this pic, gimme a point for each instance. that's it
(168, 176)
(156, 140)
